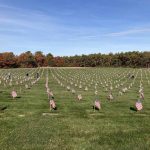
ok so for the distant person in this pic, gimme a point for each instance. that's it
(132, 77)
(129, 75)
(27, 74)
(37, 75)
(9, 76)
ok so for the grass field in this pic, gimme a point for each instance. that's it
(27, 123)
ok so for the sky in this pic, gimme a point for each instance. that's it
(70, 27)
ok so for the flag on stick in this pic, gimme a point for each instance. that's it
(138, 105)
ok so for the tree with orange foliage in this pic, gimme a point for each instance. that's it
(8, 60)
(26, 60)
(39, 58)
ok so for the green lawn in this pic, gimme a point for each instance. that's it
(75, 126)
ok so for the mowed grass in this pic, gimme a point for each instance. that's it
(74, 126)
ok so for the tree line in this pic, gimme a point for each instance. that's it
(38, 59)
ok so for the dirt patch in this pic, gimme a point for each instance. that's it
(21, 115)
(96, 114)
(49, 114)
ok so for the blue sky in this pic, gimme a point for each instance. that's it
(69, 27)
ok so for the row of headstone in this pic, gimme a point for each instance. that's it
(52, 103)
(80, 86)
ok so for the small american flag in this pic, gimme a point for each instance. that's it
(97, 104)
(79, 97)
(14, 94)
(52, 104)
(142, 95)
(139, 106)
(46, 85)
(110, 97)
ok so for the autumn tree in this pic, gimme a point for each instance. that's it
(8, 60)
(123, 59)
(40, 58)
(26, 60)
(49, 60)
(59, 62)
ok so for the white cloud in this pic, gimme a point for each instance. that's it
(129, 32)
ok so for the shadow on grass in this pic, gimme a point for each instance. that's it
(133, 109)
(2, 108)
(18, 97)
